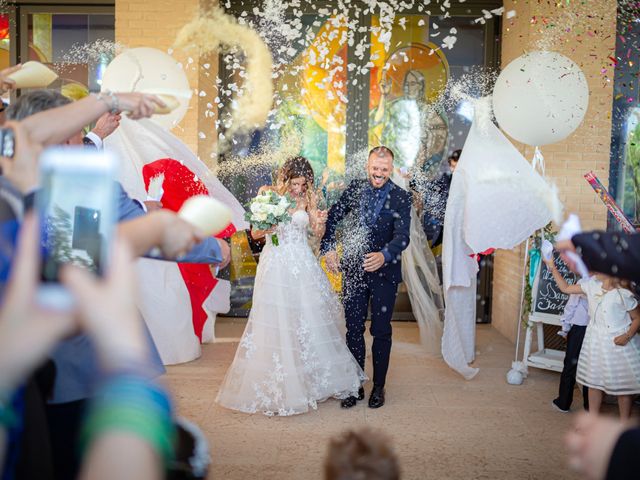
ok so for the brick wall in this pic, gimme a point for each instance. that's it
(589, 42)
(146, 23)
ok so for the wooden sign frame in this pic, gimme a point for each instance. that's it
(544, 358)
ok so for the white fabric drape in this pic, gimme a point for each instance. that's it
(420, 275)
(496, 200)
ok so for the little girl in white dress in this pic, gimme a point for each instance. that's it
(610, 356)
(292, 354)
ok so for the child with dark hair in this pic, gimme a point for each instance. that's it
(610, 355)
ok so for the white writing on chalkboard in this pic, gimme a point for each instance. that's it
(547, 297)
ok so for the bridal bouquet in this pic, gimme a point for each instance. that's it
(267, 210)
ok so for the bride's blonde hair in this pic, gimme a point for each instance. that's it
(297, 167)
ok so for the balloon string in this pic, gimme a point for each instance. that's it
(538, 160)
(524, 273)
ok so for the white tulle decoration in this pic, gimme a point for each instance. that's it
(496, 201)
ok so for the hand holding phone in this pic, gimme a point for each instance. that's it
(77, 208)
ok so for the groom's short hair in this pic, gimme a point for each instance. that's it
(363, 453)
(382, 151)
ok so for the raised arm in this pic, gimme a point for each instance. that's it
(56, 125)
(561, 282)
(162, 229)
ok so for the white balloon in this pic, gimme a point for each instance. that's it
(540, 98)
(150, 70)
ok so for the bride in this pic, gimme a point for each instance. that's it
(292, 353)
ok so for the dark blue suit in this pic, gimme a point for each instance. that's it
(388, 233)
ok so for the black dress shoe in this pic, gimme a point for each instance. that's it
(351, 401)
(376, 400)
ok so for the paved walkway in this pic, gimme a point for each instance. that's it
(442, 426)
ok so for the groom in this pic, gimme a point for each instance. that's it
(382, 210)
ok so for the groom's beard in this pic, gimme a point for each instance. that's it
(375, 179)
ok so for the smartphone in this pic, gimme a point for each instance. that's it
(77, 209)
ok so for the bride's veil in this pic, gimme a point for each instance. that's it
(420, 275)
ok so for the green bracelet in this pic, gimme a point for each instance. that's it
(133, 404)
(147, 425)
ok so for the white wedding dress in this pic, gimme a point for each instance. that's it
(292, 353)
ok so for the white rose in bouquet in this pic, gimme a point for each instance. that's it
(268, 209)
(256, 207)
(260, 217)
(280, 210)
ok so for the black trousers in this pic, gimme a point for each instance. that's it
(382, 295)
(568, 375)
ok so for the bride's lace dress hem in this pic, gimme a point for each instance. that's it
(292, 354)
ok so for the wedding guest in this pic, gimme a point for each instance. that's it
(434, 195)
(453, 162)
(128, 433)
(74, 358)
(175, 238)
(574, 325)
(602, 447)
(105, 126)
(610, 357)
(39, 115)
(364, 454)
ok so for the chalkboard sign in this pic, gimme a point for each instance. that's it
(547, 297)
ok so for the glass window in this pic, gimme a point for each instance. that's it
(625, 139)
(73, 45)
(310, 120)
(408, 81)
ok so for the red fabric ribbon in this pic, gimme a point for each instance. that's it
(180, 183)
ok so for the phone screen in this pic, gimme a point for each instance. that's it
(77, 207)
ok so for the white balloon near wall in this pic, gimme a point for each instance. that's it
(150, 70)
(540, 98)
